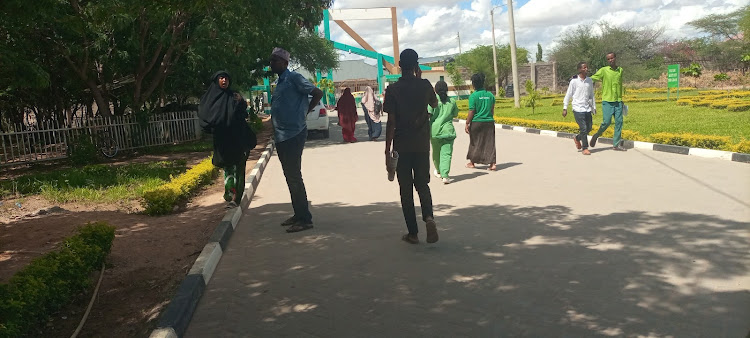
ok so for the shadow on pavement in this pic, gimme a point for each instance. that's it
(498, 270)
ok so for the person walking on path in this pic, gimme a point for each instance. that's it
(611, 78)
(347, 109)
(408, 128)
(289, 106)
(371, 108)
(442, 132)
(581, 91)
(480, 125)
(222, 113)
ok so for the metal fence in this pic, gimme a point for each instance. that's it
(48, 140)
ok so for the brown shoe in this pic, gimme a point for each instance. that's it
(432, 235)
(578, 143)
(586, 152)
(410, 238)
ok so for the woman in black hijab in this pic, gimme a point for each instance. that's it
(222, 112)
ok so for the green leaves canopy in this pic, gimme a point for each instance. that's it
(127, 55)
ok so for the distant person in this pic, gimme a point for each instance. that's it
(222, 113)
(443, 134)
(289, 107)
(347, 109)
(611, 78)
(408, 128)
(480, 125)
(581, 92)
(371, 107)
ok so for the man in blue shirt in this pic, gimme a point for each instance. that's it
(289, 107)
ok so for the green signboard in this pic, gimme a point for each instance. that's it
(673, 76)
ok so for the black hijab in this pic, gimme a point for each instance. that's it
(224, 116)
(218, 106)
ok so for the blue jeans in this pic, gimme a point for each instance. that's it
(290, 156)
(608, 110)
(584, 127)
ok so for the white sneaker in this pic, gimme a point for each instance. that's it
(436, 173)
(447, 180)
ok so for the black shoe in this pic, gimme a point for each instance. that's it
(300, 226)
(593, 140)
(619, 148)
(289, 221)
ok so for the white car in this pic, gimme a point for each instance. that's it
(317, 119)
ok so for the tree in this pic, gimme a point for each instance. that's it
(136, 55)
(454, 74)
(538, 52)
(694, 70)
(532, 96)
(479, 60)
(721, 26)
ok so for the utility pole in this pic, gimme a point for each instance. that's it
(494, 51)
(459, 42)
(513, 61)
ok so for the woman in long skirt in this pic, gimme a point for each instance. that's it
(347, 109)
(372, 114)
(480, 125)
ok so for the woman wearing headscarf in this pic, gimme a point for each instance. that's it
(372, 114)
(347, 109)
(480, 125)
(442, 133)
(222, 112)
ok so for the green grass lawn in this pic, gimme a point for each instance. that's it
(645, 117)
(94, 183)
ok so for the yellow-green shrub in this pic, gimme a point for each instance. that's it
(742, 147)
(693, 140)
(53, 280)
(163, 199)
(739, 106)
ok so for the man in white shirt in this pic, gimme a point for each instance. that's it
(581, 91)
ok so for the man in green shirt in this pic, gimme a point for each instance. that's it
(611, 78)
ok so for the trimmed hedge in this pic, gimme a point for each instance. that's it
(162, 200)
(693, 140)
(684, 139)
(51, 281)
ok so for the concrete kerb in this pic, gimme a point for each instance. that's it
(700, 152)
(175, 319)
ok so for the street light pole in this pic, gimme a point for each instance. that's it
(513, 61)
(494, 51)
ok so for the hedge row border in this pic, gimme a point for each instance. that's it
(175, 320)
(699, 152)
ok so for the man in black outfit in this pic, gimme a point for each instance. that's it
(408, 128)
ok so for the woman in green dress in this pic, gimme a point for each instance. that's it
(442, 133)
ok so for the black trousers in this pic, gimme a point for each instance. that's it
(290, 155)
(413, 172)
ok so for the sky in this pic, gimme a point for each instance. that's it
(431, 27)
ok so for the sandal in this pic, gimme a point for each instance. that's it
(470, 165)
(299, 227)
(492, 168)
(409, 239)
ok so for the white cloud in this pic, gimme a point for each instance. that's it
(433, 31)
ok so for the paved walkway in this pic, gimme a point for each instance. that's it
(554, 244)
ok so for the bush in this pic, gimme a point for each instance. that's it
(742, 147)
(51, 281)
(162, 200)
(693, 140)
(82, 150)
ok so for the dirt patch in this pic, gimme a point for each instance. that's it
(150, 255)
